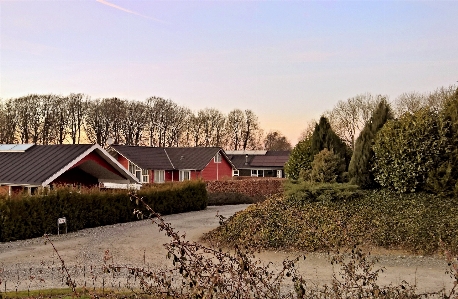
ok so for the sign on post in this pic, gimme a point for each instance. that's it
(60, 221)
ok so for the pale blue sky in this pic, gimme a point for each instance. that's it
(288, 61)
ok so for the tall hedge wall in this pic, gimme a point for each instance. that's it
(33, 216)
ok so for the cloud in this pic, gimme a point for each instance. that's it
(128, 11)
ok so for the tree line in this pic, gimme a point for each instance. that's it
(409, 145)
(75, 119)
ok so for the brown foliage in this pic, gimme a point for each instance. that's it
(246, 190)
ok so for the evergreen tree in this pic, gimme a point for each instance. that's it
(300, 159)
(443, 178)
(360, 164)
(407, 149)
(324, 138)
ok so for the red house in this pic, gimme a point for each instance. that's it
(159, 164)
(30, 166)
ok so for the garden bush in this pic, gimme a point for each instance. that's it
(24, 216)
(243, 190)
(331, 216)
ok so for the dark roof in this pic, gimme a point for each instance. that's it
(191, 157)
(159, 158)
(40, 164)
(145, 157)
(269, 161)
(240, 161)
(278, 153)
(37, 163)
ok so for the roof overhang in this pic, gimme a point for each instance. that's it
(96, 171)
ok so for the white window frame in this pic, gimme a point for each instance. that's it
(132, 167)
(257, 172)
(279, 173)
(159, 176)
(145, 176)
(235, 172)
(139, 173)
(217, 157)
(185, 175)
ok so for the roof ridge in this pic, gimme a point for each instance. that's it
(165, 151)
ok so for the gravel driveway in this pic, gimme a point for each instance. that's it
(32, 264)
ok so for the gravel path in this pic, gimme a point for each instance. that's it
(32, 264)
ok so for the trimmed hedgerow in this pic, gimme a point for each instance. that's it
(331, 216)
(243, 190)
(23, 217)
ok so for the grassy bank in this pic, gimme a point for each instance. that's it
(331, 216)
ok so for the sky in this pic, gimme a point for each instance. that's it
(287, 61)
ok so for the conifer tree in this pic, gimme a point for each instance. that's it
(360, 164)
(324, 138)
(300, 159)
(443, 178)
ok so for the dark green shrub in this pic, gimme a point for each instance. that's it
(326, 167)
(324, 137)
(299, 160)
(32, 216)
(360, 168)
(325, 217)
(409, 148)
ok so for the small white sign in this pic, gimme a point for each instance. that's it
(62, 220)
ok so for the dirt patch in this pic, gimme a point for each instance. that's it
(33, 264)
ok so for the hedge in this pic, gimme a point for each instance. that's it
(23, 217)
(242, 190)
(324, 217)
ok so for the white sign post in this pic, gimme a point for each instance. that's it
(60, 221)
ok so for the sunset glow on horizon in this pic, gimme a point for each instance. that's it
(286, 61)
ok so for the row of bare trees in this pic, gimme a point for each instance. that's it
(42, 119)
(55, 119)
(348, 117)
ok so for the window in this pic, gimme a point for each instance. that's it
(140, 174)
(279, 173)
(256, 172)
(132, 167)
(235, 172)
(145, 176)
(185, 175)
(218, 157)
(159, 176)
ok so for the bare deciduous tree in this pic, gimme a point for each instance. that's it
(97, 125)
(134, 122)
(275, 141)
(77, 104)
(235, 129)
(8, 122)
(308, 131)
(410, 102)
(160, 120)
(349, 117)
(179, 124)
(250, 132)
